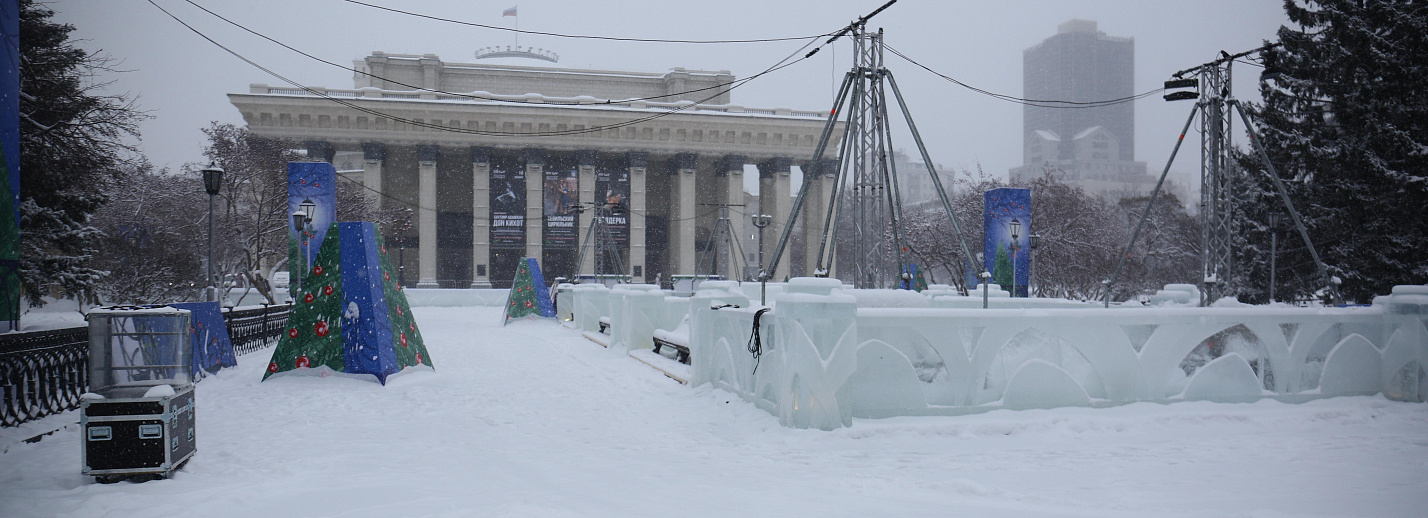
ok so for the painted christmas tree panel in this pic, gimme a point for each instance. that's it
(407, 341)
(314, 330)
(522, 302)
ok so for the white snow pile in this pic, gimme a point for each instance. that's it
(531, 419)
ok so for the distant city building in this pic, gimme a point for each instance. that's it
(914, 184)
(1092, 147)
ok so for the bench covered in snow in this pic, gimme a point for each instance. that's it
(674, 340)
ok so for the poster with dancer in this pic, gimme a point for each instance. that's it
(508, 206)
(562, 193)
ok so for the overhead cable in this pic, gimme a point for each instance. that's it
(1040, 103)
(784, 63)
(579, 36)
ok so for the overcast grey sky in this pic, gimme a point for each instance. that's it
(182, 80)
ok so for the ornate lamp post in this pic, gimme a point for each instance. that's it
(1015, 238)
(302, 224)
(212, 183)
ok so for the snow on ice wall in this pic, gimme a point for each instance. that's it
(826, 360)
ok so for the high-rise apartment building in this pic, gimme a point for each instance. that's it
(1093, 147)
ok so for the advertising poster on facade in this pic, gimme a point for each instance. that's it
(562, 193)
(508, 207)
(313, 183)
(612, 193)
(1006, 219)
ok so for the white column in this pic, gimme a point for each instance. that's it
(426, 220)
(481, 218)
(782, 205)
(774, 201)
(587, 160)
(829, 184)
(373, 155)
(535, 197)
(815, 211)
(733, 170)
(637, 163)
(683, 205)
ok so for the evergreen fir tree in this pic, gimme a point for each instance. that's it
(1345, 122)
(1002, 269)
(72, 149)
(314, 335)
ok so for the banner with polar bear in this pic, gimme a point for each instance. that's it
(351, 317)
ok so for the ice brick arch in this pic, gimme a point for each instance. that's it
(1106, 352)
(849, 360)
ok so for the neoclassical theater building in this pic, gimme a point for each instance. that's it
(495, 160)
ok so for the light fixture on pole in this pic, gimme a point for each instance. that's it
(302, 224)
(1273, 250)
(1035, 240)
(212, 183)
(761, 221)
(1015, 239)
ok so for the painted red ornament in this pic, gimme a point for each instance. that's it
(528, 303)
(320, 328)
(403, 337)
(292, 333)
(272, 366)
(412, 326)
(386, 276)
(399, 311)
(418, 356)
(302, 362)
(308, 298)
(317, 270)
(327, 290)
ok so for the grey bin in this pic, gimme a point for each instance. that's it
(138, 416)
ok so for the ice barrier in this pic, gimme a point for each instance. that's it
(829, 353)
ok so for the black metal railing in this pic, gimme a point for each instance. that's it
(42, 373)
(255, 328)
(45, 372)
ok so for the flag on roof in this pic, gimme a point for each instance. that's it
(509, 12)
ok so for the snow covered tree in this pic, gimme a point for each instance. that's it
(253, 218)
(1345, 122)
(148, 245)
(73, 147)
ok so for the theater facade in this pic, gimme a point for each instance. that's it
(501, 161)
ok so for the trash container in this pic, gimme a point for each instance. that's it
(138, 416)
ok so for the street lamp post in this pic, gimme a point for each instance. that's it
(1015, 239)
(1031, 272)
(212, 183)
(302, 224)
(761, 221)
(1273, 251)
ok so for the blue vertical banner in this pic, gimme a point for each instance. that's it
(1006, 213)
(10, 162)
(314, 182)
(364, 326)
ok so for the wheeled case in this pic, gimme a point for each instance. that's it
(138, 417)
(137, 435)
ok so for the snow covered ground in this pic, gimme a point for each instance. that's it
(533, 420)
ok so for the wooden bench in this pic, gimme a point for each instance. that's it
(681, 351)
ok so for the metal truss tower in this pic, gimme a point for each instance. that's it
(865, 189)
(1217, 197)
(1216, 107)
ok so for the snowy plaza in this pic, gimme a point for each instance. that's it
(531, 419)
